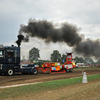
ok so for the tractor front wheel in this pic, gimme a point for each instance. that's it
(35, 71)
(10, 72)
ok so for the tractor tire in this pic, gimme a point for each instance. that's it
(70, 70)
(10, 72)
(35, 71)
(67, 70)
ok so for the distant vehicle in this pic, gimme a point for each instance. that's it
(80, 65)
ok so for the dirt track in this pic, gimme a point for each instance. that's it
(21, 79)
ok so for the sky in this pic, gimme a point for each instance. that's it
(84, 14)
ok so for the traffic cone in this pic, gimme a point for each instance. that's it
(84, 78)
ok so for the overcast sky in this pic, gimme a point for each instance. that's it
(85, 14)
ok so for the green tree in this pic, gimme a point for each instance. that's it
(98, 61)
(55, 56)
(81, 60)
(89, 60)
(34, 54)
(76, 59)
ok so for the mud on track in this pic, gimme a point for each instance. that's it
(22, 79)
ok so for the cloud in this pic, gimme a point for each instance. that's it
(46, 49)
(85, 14)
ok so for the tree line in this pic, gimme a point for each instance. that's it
(87, 60)
(57, 57)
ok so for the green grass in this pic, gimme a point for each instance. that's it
(50, 85)
(93, 77)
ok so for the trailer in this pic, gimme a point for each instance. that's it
(57, 67)
(10, 63)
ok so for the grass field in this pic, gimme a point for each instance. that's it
(17, 93)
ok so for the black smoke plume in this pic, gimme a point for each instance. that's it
(88, 48)
(20, 38)
(46, 30)
(66, 32)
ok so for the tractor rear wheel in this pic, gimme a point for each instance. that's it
(70, 70)
(67, 70)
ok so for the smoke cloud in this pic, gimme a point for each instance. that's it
(46, 30)
(67, 33)
(88, 48)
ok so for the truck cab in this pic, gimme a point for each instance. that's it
(9, 59)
